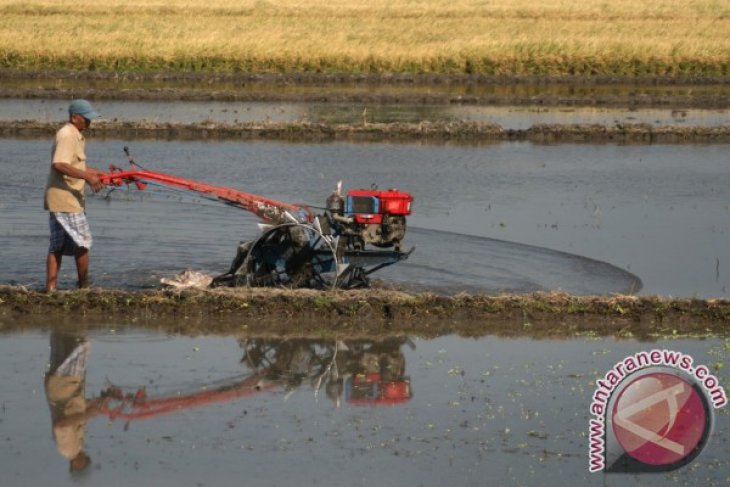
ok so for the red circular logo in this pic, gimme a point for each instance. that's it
(660, 419)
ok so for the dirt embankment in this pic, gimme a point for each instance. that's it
(437, 132)
(372, 313)
(406, 89)
(418, 97)
(357, 78)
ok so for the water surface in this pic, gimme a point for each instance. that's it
(509, 216)
(509, 117)
(216, 410)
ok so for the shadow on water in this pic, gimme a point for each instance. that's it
(452, 262)
(444, 262)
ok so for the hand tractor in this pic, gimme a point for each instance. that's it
(356, 234)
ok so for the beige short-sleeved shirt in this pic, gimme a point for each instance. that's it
(64, 193)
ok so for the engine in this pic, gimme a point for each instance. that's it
(369, 217)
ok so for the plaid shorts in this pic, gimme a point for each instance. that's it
(69, 232)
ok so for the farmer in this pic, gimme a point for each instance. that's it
(64, 196)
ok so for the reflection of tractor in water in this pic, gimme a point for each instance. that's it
(364, 372)
(381, 381)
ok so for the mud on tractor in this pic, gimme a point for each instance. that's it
(355, 235)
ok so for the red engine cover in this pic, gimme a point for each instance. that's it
(392, 202)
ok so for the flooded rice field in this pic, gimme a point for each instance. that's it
(230, 112)
(211, 410)
(513, 216)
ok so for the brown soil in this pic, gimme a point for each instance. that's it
(374, 89)
(370, 313)
(370, 78)
(319, 78)
(438, 132)
(718, 101)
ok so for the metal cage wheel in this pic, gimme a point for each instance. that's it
(291, 255)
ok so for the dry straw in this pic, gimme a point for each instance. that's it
(552, 37)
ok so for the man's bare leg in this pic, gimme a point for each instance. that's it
(53, 265)
(82, 266)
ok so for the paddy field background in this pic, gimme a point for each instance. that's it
(498, 37)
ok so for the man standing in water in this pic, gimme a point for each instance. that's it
(64, 196)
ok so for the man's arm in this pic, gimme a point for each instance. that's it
(95, 171)
(89, 175)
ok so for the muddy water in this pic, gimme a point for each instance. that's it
(509, 117)
(510, 216)
(216, 410)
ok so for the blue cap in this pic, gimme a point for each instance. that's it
(83, 108)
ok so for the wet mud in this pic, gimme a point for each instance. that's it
(374, 89)
(456, 132)
(367, 313)
(379, 89)
(368, 78)
(324, 95)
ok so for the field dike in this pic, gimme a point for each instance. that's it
(459, 132)
(366, 313)
(380, 90)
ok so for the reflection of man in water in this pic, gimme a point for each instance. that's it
(65, 391)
